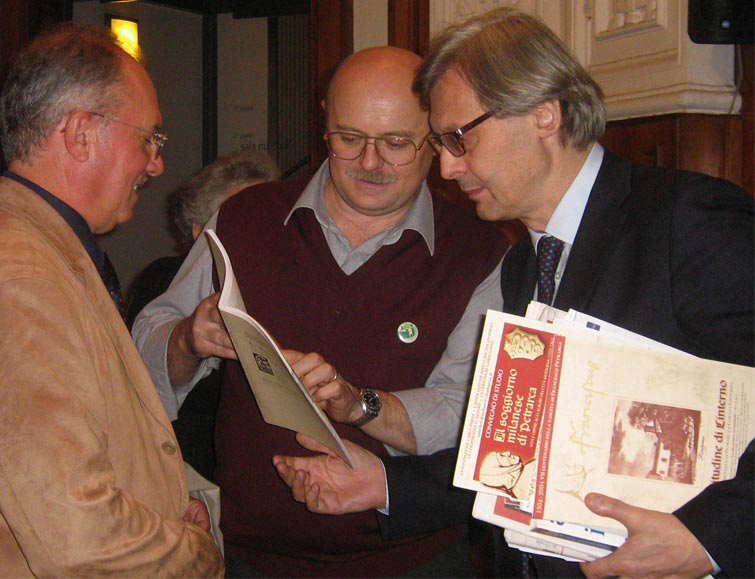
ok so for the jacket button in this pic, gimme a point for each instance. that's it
(168, 448)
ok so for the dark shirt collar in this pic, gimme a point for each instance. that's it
(72, 217)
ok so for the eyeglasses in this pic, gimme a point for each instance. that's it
(395, 151)
(155, 139)
(452, 140)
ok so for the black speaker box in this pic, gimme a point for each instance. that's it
(721, 21)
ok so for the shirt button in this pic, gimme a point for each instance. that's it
(168, 448)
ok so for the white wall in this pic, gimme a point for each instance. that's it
(172, 44)
(370, 23)
(242, 84)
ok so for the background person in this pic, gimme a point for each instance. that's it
(190, 207)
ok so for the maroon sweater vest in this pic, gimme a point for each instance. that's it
(293, 286)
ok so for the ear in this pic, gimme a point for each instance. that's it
(548, 118)
(78, 135)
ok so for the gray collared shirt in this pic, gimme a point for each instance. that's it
(435, 409)
(419, 217)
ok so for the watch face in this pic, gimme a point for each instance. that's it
(371, 401)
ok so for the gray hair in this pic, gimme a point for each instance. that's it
(196, 201)
(514, 63)
(69, 67)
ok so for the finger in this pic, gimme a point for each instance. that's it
(208, 308)
(320, 375)
(602, 567)
(307, 363)
(605, 506)
(597, 569)
(332, 374)
(208, 332)
(311, 444)
(227, 353)
(197, 514)
(216, 343)
(202, 520)
(313, 370)
(340, 391)
(329, 391)
(314, 501)
(292, 356)
(220, 340)
(299, 487)
(190, 512)
(284, 469)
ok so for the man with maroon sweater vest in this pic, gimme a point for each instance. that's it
(365, 266)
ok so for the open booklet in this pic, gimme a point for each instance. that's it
(558, 410)
(281, 397)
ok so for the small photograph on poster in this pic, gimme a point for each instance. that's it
(654, 442)
(507, 472)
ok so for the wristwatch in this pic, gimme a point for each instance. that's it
(371, 405)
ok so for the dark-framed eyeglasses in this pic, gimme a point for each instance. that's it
(395, 151)
(452, 140)
(155, 139)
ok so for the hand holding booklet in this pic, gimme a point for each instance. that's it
(561, 409)
(282, 398)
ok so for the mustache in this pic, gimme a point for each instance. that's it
(374, 176)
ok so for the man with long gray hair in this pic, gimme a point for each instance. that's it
(668, 254)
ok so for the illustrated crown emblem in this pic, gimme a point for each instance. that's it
(521, 344)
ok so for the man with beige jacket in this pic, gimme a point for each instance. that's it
(91, 479)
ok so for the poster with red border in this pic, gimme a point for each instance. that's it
(503, 420)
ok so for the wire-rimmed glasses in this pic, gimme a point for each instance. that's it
(395, 151)
(155, 139)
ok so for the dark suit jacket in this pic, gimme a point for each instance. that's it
(668, 254)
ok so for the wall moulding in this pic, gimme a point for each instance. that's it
(640, 54)
(637, 50)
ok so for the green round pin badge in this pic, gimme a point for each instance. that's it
(408, 332)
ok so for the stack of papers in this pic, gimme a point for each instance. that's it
(563, 404)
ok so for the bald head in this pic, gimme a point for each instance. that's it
(375, 84)
(381, 68)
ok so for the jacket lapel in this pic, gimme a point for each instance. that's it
(601, 223)
(518, 277)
